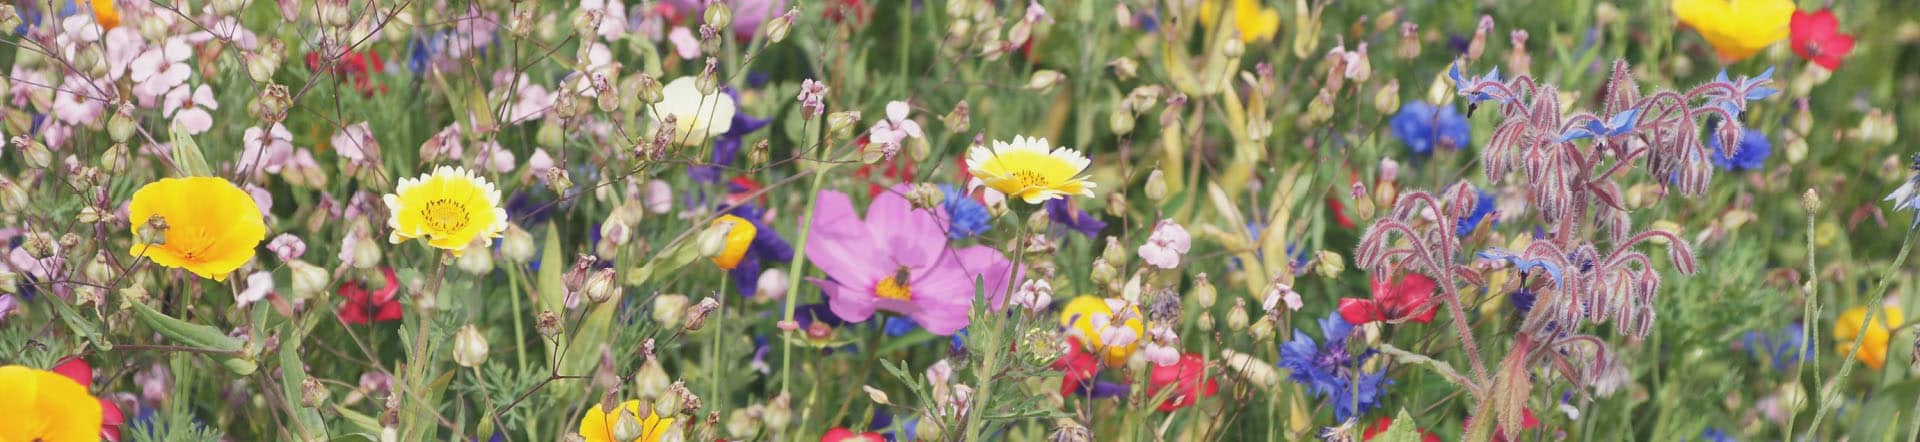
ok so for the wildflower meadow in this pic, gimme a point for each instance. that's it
(959, 220)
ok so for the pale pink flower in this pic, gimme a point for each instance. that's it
(685, 44)
(614, 25)
(287, 247)
(123, 44)
(1281, 293)
(261, 198)
(1034, 295)
(188, 107)
(226, 29)
(259, 285)
(159, 69)
(1162, 346)
(489, 156)
(813, 96)
(530, 101)
(894, 130)
(1166, 245)
(356, 143)
(443, 145)
(539, 162)
(77, 107)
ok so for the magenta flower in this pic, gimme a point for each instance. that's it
(898, 259)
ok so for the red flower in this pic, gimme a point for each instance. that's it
(844, 435)
(1079, 366)
(1184, 377)
(110, 418)
(356, 65)
(1381, 426)
(1339, 212)
(1394, 303)
(847, 10)
(742, 189)
(365, 306)
(1817, 38)
(1527, 422)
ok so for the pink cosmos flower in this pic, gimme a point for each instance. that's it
(898, 260)
(188, 106)
(1166, 245)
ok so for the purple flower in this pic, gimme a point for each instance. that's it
(1063, 212)
(898, 260)
(1330, 372)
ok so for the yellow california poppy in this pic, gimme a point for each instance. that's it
(1873, 347)
(1255, 23)
(105, 13)
(41, 405)
(1737, 28)
(450, 207)
(212, 227)
(597, 425)
(739, 238)
(1090, 319)
(1030, 169)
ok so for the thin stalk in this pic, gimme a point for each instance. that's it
(1807, 318)
(794, 270)
(1832, 390)
(713, 352)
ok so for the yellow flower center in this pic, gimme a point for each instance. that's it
(445, 215)
(892, 288)
(1030, 178)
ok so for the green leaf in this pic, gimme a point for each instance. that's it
(79, 325)
(306, 421)
(553, 291)
(187, 158)
(1402, 430)
(198, 336)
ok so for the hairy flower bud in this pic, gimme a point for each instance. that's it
(696, 316)
(668, 310)
(547, 323)
(469, 347)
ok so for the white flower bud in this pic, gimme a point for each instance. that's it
(469, 347)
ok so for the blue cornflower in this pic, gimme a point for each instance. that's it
(1064, 213)
(767, 245)
(1482, 206)
(1715, 435)
(727, 145)
(1330, 372)
(1784, 348)
(1751, 154)
(1423, 127)
(965, 217)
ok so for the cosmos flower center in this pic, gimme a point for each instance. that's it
(444, 215)
(893, 288)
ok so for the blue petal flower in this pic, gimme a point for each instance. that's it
(965, 217)
(1423, 126)
(1751, 155)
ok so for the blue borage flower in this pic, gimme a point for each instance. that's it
(1466, 86)
(1330, 372)
(1751, 154)
(1620, 124)
(1782, 348)
(1746, 89)
(965, 217)
(1422, 127)
(1483, 205)
(1524, 265)
(1907, 196)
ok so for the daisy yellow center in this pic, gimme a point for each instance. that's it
(445, 215)
(1029, 178)
(892, 288)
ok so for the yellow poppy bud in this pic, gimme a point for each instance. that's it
(738, 237)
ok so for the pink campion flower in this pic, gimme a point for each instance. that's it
(75, 104)
(26, 83)
(227, 29)
(813, 95)
(1166, 245)
(123, 44)
(1279, 294)
(898, 260)
(188, 106)
(614, 25)
(261, 198)
(443, 145)
(1034, 295)
(287, 247)
(685, 44)
(489, 156)
(356, 143)
(1162, 347)
(894, 130)
(529, 102)
(259, 285)
(160, 68)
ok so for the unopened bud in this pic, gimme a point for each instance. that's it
(469, 347)
(697, 314)
(778, 27)
(1811, 199)
(600, 287)
(1203, 291)
(1120, 120)
(1387, 101)
(779, 413)
(1044, 80)
(668, 310)
(121, 123)
(1237, 316)
(547, 324)
(627, 427)
(652, 380)
(1329, 264)
(958, 120)
(1157, 186)
(840, 124)
(925, 196)
(308, 280)
(1262, 329)
(1124, 68)
(313, 394)
(37, 154)
(516, 245)
(719, 15)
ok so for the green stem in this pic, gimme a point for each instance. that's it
(1831, 392)
(1807, 317)
(794, 270)
(714, 353)
(993, 345)
(519, 330)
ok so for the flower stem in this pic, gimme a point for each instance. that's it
(794, 270)
(1832, 390)
(714, 353)
(1807, 319)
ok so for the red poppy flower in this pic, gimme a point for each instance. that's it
(1381, 426)
(844, 435)
(1079, 366)
(1395, 303)
(1527, 422)
(1184, 377)
(1817, 38)
(365, 306)
(1339, 213)
(358, 66)
(110, 418)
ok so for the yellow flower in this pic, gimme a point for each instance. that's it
(450, 207)
(42, 405)
(1873, 347)
(1736, 28)
(738, 239)
(1256, 24)
(1090, 319)
(1030, 169)
(597, 425)
(212, 227)
(105, 13)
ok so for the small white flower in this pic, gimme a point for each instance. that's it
(891, 132)
(696, 116)
(259, 284)
(1278, 294)
(1034, 295)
